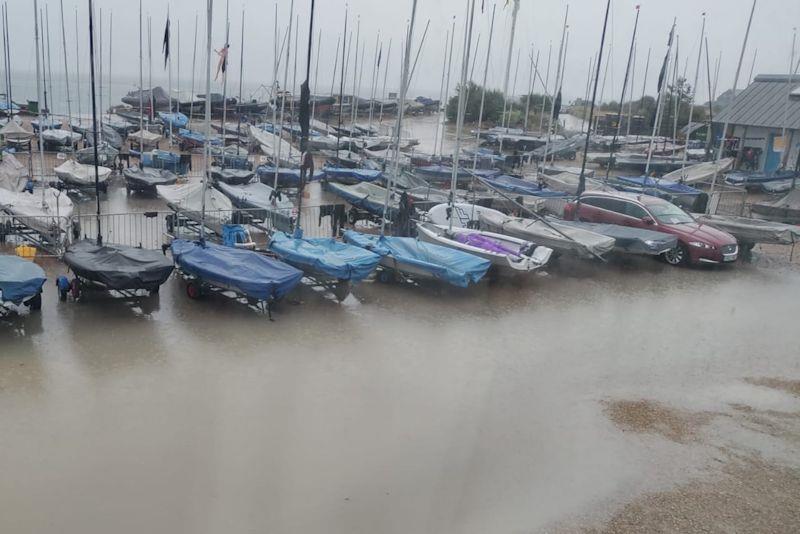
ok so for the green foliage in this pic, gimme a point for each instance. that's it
(492, 106)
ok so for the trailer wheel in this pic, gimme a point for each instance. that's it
(193, 290)
(352, 216)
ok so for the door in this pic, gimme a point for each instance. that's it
(633, 215)
(772, 157)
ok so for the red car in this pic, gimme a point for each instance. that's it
(697, 243)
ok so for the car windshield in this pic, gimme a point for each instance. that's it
(667, 213)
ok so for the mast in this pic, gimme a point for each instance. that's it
(676, 93)
(553, 100)
(514, 12)
(354, 96)
(341, 82)
(150, 67)
(546, 85)
(483, 86)
(733, 97)
(400, 110)
(374, 80)
(225, 50)
(44, 71)
(447, 89)
(279, 130)
(110, 34)
(49, 63)
(385, 76)
(789, 85)
(589, 74)
(94, 120)
(303, 114)
(275, 64)
(633, 79)
(692, 97)
(294, 81)
(141, 84)
(531, 83)
(194, 60)
(241, 77)
(462, 105)
(753, 65)
(582, 177)
(316, 69)
(659, 100)
(622, 97)
(78, 67)
(178, 70)
(441, 91)
(207, 121)
(66, 70)
(99, 44)
(169, 82)
(7, 50)
(39, 97)
(558, 94)
(644, 83)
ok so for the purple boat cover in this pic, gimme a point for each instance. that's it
(486, 243)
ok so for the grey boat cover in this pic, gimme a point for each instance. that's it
(13, 174)
(747, 230)
(628, 239)
(118, 267)
(786, 209)
(559, 237)
(148, 178)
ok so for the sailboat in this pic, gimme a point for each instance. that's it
(21, 282)
(74, 174)
(258, 278)
(120, 269)
(509, 255)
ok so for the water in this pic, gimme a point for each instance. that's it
(401, 410)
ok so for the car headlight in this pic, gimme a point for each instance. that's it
(699, 244)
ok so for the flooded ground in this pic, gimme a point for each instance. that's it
(548, 405)
(621, 397)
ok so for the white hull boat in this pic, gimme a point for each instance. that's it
(699, 172)
(187, 200)
(75, 174)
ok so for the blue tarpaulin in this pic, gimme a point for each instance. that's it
(440, 173)
(198, 137)
(359, 175)
(19, 279)
(756, 178)
(249, 273)
(517, 186)
(176, 119)
(286, 177)
(325, 256)
(668, 186)
(453, 266)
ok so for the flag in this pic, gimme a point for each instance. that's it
(662, 74)
(380, 53)
(482, 1)
(165, 44)
(222, 65)
(557, 106)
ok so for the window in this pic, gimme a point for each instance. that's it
(635, 211)
(610, 204)
(667, 213)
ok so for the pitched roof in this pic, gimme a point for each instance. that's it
(763, 103)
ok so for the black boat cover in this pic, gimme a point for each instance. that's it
(629, 239)
(118, 267)
(148, 178)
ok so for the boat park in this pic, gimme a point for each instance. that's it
(343, 306)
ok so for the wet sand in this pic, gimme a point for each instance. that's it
(552, 405)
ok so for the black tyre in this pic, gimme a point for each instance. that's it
(35, 304)
(75, 288)
(677, 256)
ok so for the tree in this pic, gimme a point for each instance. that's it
(492, 107)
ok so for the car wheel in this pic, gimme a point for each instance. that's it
(677, 256)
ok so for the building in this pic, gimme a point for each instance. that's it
(756, 120)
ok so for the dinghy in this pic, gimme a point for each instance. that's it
(443, 174)
(109, 136)
(106, 154)
(187, 200)
(627, 239)
(260, 202)
(13, 174)
(258, 278)
(74, 174)
(60, 138)
(15, 135)
(231, 176)
(119, 124)
(329, 262)
(756, 179)
(144, 138)
(45, 123)
(112, 267)
(366, 196)
(509, 256)
(146, 180)
(679, 194)
(408, 257)
(518, 186)
(175, 119)
(347, 175)
(163, 159)
(750, 231)
(48, 217)
(21, 282)
(190, 139)
(560, 238)
(269, 143)
(699, 172)
(286, 177)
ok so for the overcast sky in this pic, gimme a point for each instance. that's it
(539, 26)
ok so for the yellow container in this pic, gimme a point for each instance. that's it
(26, 251)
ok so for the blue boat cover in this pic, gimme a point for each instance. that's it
(453, 266)
(446, 171)
(667, 186)
(325, 256)
(361, 175)
(252, 274)
(286, 176)
(198, 137)
(177, 119)
(517, 186)
(19, 279)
